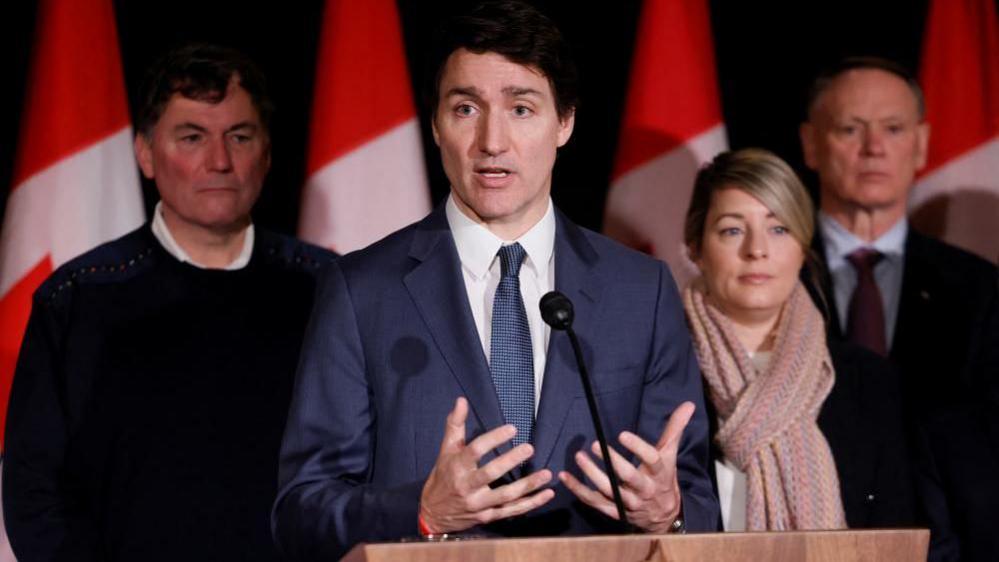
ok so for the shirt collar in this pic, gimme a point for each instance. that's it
(477, 246)
(169, 243)
(840, 242)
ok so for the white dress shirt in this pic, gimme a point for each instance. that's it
(840, 243)
(480, 268)
(162, 234)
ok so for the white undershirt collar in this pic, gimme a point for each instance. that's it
(162, 234)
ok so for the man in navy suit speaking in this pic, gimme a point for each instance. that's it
(431, 398)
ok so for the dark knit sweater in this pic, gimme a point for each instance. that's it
(149, 402)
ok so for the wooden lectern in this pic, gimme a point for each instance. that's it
(826, 546)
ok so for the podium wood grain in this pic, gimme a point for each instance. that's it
(896, 545)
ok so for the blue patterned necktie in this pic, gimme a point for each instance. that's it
(511, 359)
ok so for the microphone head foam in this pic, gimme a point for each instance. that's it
(556, 310)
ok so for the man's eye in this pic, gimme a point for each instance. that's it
(191, 139)
(241, 138)
(464, 110)
(522, 111)
(847, 129)
(895, 129)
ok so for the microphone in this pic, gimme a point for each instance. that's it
(556, 311)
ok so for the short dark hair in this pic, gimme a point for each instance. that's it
(831, 73)
(519, 32)
(200, 72)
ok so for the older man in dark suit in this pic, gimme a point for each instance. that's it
(931, 308)
(433, 399)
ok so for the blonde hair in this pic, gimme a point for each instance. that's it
(763, 175)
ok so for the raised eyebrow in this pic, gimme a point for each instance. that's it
(518, 91)
(737, 216)
(466, 91)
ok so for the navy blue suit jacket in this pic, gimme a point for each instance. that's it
(392, 344)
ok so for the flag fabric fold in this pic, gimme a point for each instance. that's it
(75, 182)
(956, 197)
(365, 168)
(672, 124)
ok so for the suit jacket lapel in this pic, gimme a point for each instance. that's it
(576, 278)
(824, 292)
(916, 297)
(437, 288)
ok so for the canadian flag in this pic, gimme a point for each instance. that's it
(365, 169)
(957, 195)
(75, 182)
(672, 125)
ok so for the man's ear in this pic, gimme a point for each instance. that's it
(566, 125)
(922, 148)
(433, 128)
(806, 132)
(144, 155)
(267, 155)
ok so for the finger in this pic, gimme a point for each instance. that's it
(500, 465)
(641, 484)
(454, 427)
(675, 426)
(488, 441)
(588, 496)
(646, 454)
(594, 473)
(626, 472)
(516, 508)
(512, 492)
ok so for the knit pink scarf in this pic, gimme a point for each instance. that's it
(767, 420)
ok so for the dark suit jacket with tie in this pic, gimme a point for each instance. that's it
(946, 342)
(947, 348)
(392, 344)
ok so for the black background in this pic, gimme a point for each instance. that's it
(766, 55)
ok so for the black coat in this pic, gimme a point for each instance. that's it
(958, 480)
(862, 420)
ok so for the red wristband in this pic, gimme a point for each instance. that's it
(424, 528)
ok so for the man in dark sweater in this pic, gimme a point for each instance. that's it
(153, 382)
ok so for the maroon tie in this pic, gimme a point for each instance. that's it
(866, 323)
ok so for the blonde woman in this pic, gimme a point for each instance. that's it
(808, 435)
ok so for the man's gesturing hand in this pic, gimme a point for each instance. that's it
(650, 491)
(457, 495)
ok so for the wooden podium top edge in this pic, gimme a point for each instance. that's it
(644, 537)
